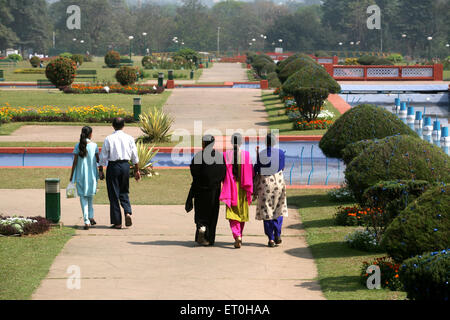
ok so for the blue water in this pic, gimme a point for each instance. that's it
(305, 162)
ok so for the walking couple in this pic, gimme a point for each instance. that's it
(231, 178)
(118, 150)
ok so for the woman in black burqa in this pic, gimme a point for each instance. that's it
(208, 172)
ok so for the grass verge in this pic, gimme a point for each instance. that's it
(279, 120)
(169, 188)
(338, 265)
(25, 261)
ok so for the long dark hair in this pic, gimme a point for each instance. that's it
(236, 141)
(85, 133)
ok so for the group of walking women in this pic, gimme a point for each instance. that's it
(231, 178)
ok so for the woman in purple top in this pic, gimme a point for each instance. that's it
(270, 189)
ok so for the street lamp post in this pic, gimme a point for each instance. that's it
(429, 47)
(131, 38)
(263, 40)
(144, 34)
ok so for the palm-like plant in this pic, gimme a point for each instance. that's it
(155, 125)
(146, 154)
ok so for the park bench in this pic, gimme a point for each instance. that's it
(87, 74)
(2, 76)
(126, 62)
(45, 84)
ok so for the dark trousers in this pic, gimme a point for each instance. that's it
(272, 228)
(118, 182)
(207, 205)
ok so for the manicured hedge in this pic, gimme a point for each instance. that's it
(274, 82)
(399, 157)
(294, 66)
(353, 150)
(313, 76)
(288, 60)
(425, 277)
(364, 122)
(126, 75)
(423, 226)
(112, 59)
(394, 196)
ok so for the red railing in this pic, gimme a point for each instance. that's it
(386, 73)
(235, 59)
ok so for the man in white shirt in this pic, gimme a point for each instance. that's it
(118, 149)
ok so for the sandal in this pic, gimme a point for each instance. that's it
(128, 222)
(118, 226)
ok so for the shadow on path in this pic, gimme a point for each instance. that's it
(192, 244)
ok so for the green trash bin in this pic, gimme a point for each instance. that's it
(160, 79)
(137, 108)
(192, 74)
(170, 74)
(52, 200)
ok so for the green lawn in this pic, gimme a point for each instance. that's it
(39, 98)
(170, 187)
(338, 265)
(25, 261)
(446, 75)
(279, 120)
(104, 74)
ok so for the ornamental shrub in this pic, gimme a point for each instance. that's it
(112, 59)
(353, 150)
(363, 240)
(273, 80)
(311, 76)
(67, 55)
(423, 226)
(351, 61)
(35, 61)
(146, 61)
(425, 277)
(367, 60)
(61, 72)
(78, 58)
(393, 196)
(294, 66)
(126, 75)
(263, 64)
(395, 58)
(362, 122)
(288, 60)
(399, 157)
(15, 57)
(309, 101)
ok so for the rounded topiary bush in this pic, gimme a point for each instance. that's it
(78, 58)
(126, 75)
(425, 277)
(423, 226)
(288, 60)
(362, 122)
(294, 66)
(35, 61)
(263, 65)
(112, 59)
(312, 76)
(273, 80)
(15, 57)
(399, 157)
(61, 72)
(353, 150)
(147, 60)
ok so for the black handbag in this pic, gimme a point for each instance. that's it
(190, 201)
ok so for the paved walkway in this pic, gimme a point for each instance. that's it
(157, 257)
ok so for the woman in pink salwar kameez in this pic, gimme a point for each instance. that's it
(237, 188)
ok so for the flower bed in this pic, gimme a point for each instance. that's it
(90, 114)
(363, 240)
(324, 119)
(389, 272)
(23, 226)
(355, 215)
(312, 125)
(97, 88)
